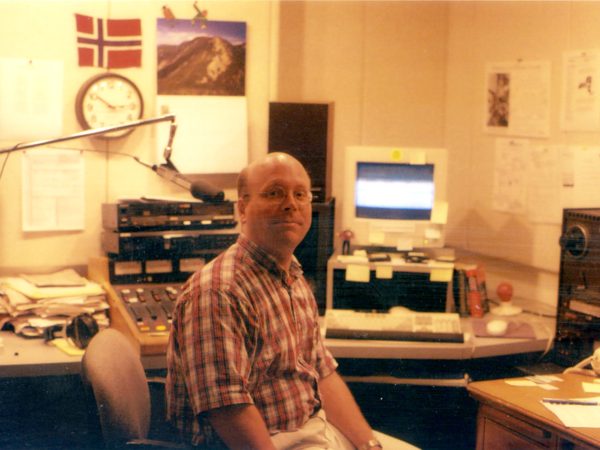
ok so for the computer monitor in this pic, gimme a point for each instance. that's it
(395, 197)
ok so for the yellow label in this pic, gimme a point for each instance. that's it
(396, 154)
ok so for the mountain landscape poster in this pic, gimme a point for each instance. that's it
(201, 58)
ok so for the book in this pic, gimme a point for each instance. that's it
(474, 301)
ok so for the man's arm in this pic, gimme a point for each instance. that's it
(241, 427)
(342, 410)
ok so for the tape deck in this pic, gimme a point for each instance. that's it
(578, 316)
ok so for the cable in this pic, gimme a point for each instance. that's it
(4, 165)
(15, 147)
(135, 158)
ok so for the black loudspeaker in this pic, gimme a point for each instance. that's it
(305, 131)
(316, 248)
(578, 315)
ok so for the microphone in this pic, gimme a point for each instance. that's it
(199, 189)
(169, 147)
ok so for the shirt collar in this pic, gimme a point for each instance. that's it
(263, 258)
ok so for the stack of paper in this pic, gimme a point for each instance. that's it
(31, 303)
(577, 412)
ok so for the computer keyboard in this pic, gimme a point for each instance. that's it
(403, 326)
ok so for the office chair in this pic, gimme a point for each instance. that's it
(113, 373)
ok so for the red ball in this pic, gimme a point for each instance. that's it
(346, 234)
(504, 291)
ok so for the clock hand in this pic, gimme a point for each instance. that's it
(105, 102)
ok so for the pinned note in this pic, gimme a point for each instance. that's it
(385, 272)
(358, 272)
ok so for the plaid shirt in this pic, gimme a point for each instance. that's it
(243, 332)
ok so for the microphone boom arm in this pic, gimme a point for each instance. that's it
(87, 133)
(200, 190)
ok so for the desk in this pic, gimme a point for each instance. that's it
(513, 417)
(20, 357)
(32, 357)
(473, 347)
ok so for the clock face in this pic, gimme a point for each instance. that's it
(107, 100)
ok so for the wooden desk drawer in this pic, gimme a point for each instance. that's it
(498, 430)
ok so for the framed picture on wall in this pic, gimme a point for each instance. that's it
(200, 57)
(518, 98)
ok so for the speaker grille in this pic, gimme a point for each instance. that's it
(304, 131)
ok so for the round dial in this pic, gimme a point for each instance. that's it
(107, 100)
(575, 241)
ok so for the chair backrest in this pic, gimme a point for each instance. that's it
(115, 373)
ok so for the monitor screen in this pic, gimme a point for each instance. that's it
(394, 197)
(394, 191)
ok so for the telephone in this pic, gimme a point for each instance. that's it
(593, 360)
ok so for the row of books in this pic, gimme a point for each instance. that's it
(31, 303)
(470, 291)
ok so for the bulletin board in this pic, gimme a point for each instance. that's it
(523, 126)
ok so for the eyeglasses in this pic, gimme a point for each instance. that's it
(277, 194)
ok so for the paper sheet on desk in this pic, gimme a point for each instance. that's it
(34, 292)
(577, 416)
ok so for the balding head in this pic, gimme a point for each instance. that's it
(260, 165)
(274, 204)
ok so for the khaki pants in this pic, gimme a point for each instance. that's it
(316, 433)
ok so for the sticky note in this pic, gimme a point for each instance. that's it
(418, 157)
(548, 387)
(521, 383)
(384, 271)
(440, 275)
(433, 233)
(590, 387)
(439, 213)
(358, 272)
(67, 347)
(376, 237)
(404, 244)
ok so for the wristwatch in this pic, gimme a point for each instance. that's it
(371, 443)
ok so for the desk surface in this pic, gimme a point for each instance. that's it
(32, 357)
(21, 357)
(473, 347)
(526, 401)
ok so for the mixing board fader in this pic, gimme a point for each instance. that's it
(151, 307)
(142, 311)
(152, 248)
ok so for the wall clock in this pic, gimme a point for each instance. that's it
(107, 100)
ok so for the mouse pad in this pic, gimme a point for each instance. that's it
(515, 329)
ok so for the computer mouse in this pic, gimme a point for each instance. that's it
(399, 310)
(496, 327)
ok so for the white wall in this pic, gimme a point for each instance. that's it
(481, 32)
(45, 29)
(412, 73)
(383, 64)
(400, 73)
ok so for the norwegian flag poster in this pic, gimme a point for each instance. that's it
(110, 43)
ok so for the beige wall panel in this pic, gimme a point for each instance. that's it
(404, 67)
(39, 29)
